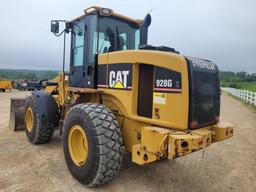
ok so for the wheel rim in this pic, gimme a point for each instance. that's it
(29, 119)
(78, 145)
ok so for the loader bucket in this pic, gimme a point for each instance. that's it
(17, 114)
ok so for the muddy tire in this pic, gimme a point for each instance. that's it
(37, 131)
(104, 153)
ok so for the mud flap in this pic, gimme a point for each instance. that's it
(47, 109)
(17, 114)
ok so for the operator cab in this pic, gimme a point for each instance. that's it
(100, 31)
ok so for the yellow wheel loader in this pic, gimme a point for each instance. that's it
(5, 84)
(121, 94)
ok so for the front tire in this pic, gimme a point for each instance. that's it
(37, 130)
(92, 144)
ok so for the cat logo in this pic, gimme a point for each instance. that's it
(119, 79)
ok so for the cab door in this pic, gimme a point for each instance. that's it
(78, 54)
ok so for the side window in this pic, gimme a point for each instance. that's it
(137, 39)
(78, 44)
(123, 41)
(104, 43)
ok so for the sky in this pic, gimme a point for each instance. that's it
(223, 31)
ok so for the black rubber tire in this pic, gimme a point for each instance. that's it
(40, 134)
(105, 144)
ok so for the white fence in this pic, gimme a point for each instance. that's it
(246, 96)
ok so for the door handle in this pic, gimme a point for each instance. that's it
(89, 70)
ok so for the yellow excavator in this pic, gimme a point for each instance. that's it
(121, 94)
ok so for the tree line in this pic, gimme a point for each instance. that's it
(229, 76)
(14, 74)
(232, 79)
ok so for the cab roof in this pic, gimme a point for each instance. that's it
(107, 12)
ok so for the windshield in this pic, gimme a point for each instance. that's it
(116, 35)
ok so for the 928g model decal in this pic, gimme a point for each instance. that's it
(167, 81)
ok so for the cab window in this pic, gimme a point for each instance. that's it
(78, 44)
(116, 35)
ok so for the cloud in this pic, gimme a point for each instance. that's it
(221, 31)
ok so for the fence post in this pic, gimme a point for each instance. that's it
(251, 97)
(247, 96)
(254, 98)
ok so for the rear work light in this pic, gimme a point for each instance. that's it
(106, 11)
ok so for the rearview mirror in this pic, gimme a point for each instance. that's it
(55, 27)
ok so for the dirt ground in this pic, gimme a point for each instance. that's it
(227, 166)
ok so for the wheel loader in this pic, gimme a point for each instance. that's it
(5, 84)
(122, 95)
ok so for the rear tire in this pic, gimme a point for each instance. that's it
(35, 131)
(105, 144)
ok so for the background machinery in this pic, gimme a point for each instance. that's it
(121, 94)
(30, 85)
(4, 85)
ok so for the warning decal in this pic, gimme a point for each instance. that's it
(160, 98)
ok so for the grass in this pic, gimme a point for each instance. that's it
(250, 86)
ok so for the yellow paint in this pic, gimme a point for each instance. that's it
(78, 145)
(180, 144)
(49, 88)
(155, 139)
(163, 136)
(147, 143)
(62, 89)
(222, 131)
(141, 156)
(5, 84)
(160, 143)
(131, 131)
(29, 119)
(118, 85)
(174, 114)
(125, 102)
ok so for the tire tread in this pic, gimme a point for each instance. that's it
(110, 141)
(43, 133)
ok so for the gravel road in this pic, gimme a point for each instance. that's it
(226, 166)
